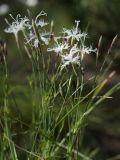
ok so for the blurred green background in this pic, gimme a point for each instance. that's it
(99, 17)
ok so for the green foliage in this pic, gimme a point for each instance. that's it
(46, 117)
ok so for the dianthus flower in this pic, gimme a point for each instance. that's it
(17, 25)
(74, 33)
(71, 57)
(59, 47)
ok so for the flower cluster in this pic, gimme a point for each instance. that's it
(20, 23)
(72, 49)
(70, 46)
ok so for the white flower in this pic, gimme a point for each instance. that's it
(59, 47)
(17, 25)
(4, 8)
(40, 22)
(74, 33)
(71, 58)
(87, 50)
